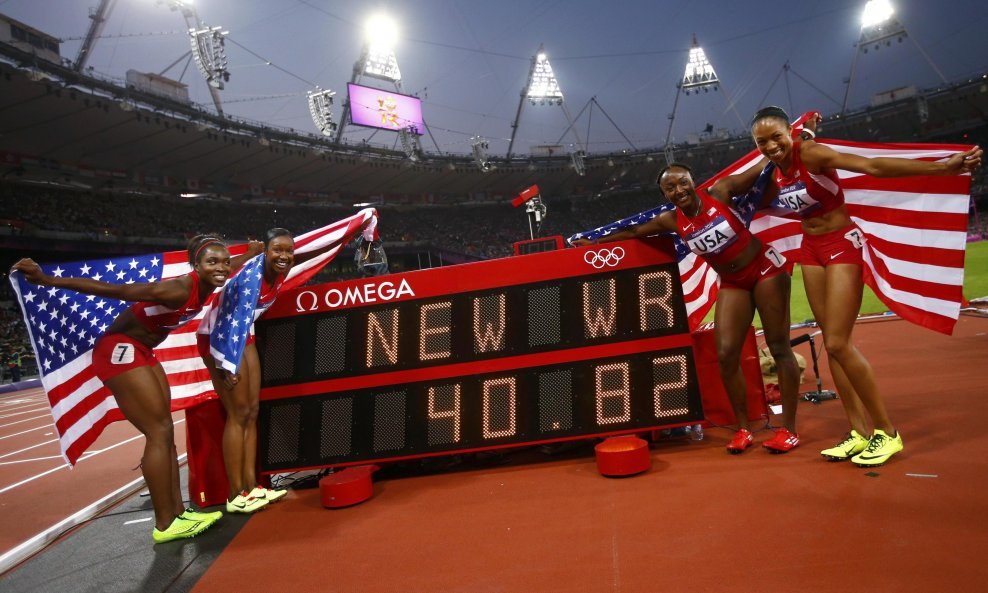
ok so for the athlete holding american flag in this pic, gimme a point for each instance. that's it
(753, 275)
(837, 257)
(123, 360)
(226, 341)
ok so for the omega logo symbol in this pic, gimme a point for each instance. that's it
(604, 257)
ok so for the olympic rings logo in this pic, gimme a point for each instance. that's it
(604, 257)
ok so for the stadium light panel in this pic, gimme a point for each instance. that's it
(543, 87)
(699, 71)
(379, 57)
(876, 12)
(381, 31)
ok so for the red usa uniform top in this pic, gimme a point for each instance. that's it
(269, 292)
(808, 194)
(716, 233)
(267, 296)
(160, 319)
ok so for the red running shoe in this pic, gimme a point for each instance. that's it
(741, 441)
(783, 441)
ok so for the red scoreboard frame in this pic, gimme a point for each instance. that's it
(548, 347)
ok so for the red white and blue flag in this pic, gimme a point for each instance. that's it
(64, 325)
(915, 230)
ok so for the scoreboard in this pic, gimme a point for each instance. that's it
(545, 347)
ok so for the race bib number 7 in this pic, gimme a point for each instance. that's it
(775, 257)
(856, 237)
(122, 354)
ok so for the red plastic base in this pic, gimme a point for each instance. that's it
(347, 487)
(622, 456)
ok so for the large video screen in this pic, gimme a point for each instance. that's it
(378, 108)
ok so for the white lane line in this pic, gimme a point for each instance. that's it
(39, 541)
(23, 401)
(22, 412)
(92, 452)
(25, 432)
(144, 520)
(28, 448)
(41, 405)
(16, 461)
(65, 465)
(26, 420)
(23, 404)
(85, 455)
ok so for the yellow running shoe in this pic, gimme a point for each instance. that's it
(267, 494)
(179, 529)
(852, 444)
(880, 448)
(194, 515)
(245, 503)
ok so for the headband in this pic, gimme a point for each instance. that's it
(208, 242)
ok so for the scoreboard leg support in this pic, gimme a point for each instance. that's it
(716, 406)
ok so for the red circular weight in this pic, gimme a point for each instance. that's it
(622, 456)
(348, 487)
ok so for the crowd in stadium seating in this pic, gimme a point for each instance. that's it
(15, 350)
(485, 230)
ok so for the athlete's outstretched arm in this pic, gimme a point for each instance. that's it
(817, 157)
(173, 292)
(663, 223)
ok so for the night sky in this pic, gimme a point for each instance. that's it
(468, 60)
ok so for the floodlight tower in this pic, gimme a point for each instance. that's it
(377, 60)
(542, 89)
(879, 26)
(699, 75)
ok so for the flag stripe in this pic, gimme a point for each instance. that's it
(933, 256)
(940, 221)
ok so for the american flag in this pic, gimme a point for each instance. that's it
(915, 232)
(64, 325)
(229, 322)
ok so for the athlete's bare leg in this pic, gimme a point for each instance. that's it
(147, 405)
(732, 318)
(772, 300)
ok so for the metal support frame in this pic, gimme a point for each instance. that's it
(876, 35)
(99, 16)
